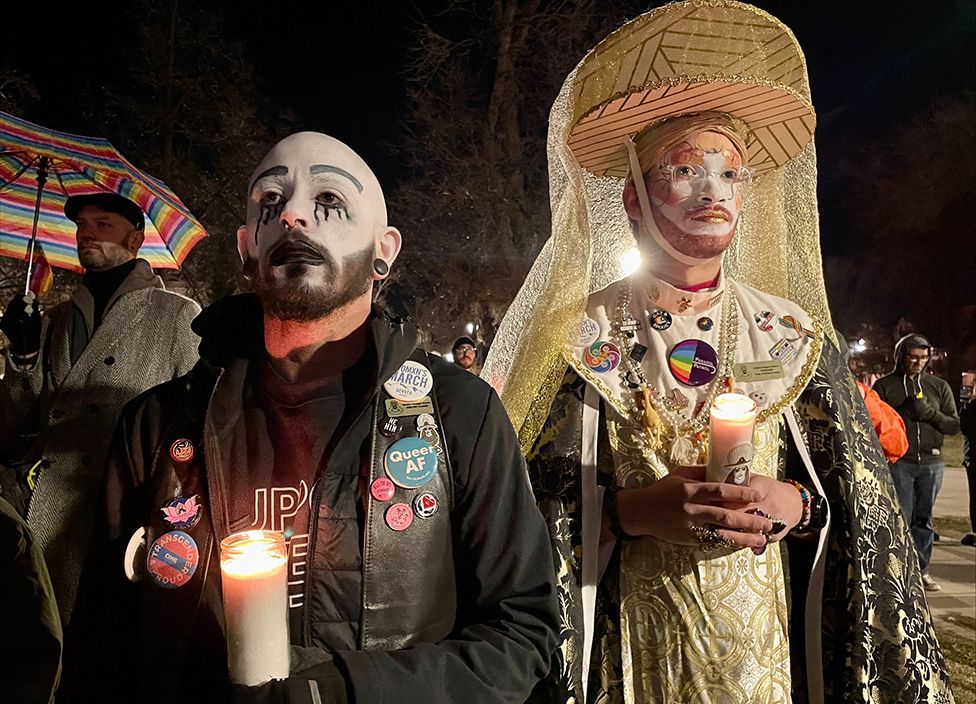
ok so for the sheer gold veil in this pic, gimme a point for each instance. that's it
(682, 58)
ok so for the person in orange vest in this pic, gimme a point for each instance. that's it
(888, 425)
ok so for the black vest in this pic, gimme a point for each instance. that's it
(408, 582)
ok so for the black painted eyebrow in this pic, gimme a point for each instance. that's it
(325, 168)
(273, 171)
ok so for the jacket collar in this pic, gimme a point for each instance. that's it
(140, 277)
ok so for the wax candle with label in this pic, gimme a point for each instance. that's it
(254, 573)
(732, 420)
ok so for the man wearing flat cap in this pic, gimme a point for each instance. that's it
(70, 372)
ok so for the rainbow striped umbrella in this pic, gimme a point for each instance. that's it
(77, 166)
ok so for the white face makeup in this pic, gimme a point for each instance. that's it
(314, 210)
(695, 195)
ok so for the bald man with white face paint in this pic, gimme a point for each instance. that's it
(418, 561)
(316, 229)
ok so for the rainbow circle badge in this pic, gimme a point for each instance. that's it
(693, 362)
(602, 356)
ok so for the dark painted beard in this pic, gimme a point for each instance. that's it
(300, 300)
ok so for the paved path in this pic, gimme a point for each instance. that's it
(953, 565)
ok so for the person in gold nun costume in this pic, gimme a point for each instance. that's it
(687, 135)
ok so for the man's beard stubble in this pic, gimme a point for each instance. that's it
(297, 299)
(104, 257)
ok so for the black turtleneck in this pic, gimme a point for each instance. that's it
(103, 284)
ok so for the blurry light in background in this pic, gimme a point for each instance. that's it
(859, 346)
(630, 261)
(469, 328)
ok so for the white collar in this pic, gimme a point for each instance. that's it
(653, 293)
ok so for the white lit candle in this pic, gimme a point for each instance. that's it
(253, 568)
(732, 419)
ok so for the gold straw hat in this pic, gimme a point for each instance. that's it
(691, 57)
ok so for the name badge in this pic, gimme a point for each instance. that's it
(758, 371)
(399, 409)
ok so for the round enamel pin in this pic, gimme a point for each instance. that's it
(425, 505)
(181, 450)
(602, 356)
(172, 559)
(659, 319)
(411, 462)
(390, 427)
(398, 517)
(587, 334)
(412, 381)
(693, 362)
(382, 489)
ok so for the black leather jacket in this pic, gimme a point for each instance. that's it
(461, 607)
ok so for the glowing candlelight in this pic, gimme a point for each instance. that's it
(253, 567)
(732, 419)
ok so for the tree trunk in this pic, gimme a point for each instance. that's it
(169, 109)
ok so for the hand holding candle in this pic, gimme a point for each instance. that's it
(253, 567)
(732, 419)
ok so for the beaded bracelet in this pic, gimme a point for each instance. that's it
(805, 498)
(610, 509)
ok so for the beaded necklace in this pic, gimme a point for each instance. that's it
(661, 425)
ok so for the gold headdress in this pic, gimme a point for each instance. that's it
(685, 57)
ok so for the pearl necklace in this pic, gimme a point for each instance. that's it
(661, 425)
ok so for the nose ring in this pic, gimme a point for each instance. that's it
(286, 225)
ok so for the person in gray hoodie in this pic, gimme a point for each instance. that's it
(925, 403)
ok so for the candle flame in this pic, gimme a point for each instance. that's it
(733, 407)
(252, 553)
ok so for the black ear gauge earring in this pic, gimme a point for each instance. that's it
(381, 267)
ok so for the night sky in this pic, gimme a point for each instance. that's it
(338, 66)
